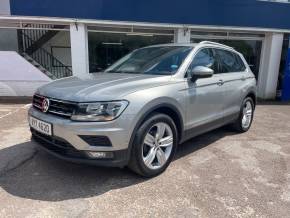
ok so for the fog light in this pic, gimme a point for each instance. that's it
(99, 154)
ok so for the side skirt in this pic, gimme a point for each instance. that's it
(198, 130)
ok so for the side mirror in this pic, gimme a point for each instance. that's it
(201, 72)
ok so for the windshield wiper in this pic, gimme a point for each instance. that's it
(114, 71)
(129, 72)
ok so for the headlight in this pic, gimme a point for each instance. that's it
(99, 111)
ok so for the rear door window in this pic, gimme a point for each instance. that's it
(229, 62)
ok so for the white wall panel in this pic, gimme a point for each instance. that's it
(4, 7)
(17, 76)
(270, 63)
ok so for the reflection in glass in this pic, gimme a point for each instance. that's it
(106, 48)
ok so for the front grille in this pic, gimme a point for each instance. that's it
(56, 107)
(37, 101)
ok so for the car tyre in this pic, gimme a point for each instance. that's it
(244, 122)
(144, 146)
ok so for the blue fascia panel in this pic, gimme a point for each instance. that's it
(239, 13)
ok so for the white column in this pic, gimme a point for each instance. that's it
(5, 7)
(8, 37)
(182, 35)
(79, 49)
(269, 67)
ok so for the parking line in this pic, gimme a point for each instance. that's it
(15, 111)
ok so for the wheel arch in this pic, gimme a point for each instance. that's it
(165, 108)
(253, 96)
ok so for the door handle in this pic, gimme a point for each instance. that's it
(220, 82)
(243, 78)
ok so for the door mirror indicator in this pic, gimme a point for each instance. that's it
(201, 72)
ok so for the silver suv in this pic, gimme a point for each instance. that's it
(137, 111)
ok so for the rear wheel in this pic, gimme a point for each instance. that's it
(154, 146)
(244, 122)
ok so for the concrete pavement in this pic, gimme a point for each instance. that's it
(218, 174)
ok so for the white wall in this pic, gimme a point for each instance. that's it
(79, 49)
(4, 7)
(182, 35)
(17, 76)
(8, 40)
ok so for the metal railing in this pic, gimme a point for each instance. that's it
(45, 59)
(39, 31)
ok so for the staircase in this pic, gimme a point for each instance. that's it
(39, 66)
(31, 48)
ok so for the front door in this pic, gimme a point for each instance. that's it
(204, 97)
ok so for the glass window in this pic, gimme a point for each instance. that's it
(240, 62)
(107, 48)
(159, 60)
(203, 58)
(228, 61)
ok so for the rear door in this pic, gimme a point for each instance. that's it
(232, 71)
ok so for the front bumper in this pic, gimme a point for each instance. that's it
(69, 153)
(67, 141)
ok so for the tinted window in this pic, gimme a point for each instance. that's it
(242, 66)
(203, 58)
(229, 61)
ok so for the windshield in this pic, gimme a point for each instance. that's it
(161, 60)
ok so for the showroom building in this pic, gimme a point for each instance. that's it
(73, 37)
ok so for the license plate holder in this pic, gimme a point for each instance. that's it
(40, 126)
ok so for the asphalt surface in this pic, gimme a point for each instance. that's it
(218, 174)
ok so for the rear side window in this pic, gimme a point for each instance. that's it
(229, 62)
(240, 62)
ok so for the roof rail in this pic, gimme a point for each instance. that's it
(215, 43)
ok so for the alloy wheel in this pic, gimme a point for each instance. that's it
(157, 145)
(247, 114)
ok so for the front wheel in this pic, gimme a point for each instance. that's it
(244, 122)
(154, 145)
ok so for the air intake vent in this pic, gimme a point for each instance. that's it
(96, 140)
